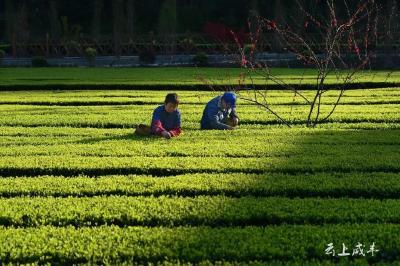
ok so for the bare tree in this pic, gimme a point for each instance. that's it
(338, 46)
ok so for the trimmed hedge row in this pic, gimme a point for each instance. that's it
(197, 211)
(166, 166)
(335, 185)
(110, 244)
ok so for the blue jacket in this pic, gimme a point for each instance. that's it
(162, 120)
(214, 115)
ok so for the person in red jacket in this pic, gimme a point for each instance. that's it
(166, 120)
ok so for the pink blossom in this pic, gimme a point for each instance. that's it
(271, 25)
(357, 50)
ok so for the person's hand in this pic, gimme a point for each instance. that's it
(235, 121)
(166, 134)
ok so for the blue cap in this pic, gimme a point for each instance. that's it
(230, 98)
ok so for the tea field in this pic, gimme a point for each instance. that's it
(77, 186)
(108, 77)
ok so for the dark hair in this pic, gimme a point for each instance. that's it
(172, 98)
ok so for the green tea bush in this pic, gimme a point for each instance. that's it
(147, 56)
(39, 61)
(2, 55)
(200, 60)
(90, 54)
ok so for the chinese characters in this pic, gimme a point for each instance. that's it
(359, 250)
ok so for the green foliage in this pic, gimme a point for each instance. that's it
(70, 32)
(2, 55)
(200, 60)
(90, 54)
(77, 186)
(173, 76)
(124, 109)
(115, 245)
(147, 56)
(5, 47)
(335, 185)
(196, 211)
(39, 61)
(167, 20)
(247, 49)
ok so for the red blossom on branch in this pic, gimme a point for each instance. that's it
(244, 61)
(271, 25)
(357, 49)
(329, 47)
(334, 23)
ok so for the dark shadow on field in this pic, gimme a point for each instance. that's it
(312, 156)
(300, 156)
(309, 155)
(311, 163)
(304, 153)
(336, 151)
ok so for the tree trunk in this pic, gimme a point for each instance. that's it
(167, 24)
(55, 25)
(279, 10)
(118, 25)
(279, 17)
(96, 20)
(391, 19)
(10, 19)
(130, 17)
(254, 8)
(22, 22)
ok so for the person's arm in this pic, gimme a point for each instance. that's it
(156, 125)
(175, 131)
(214, 120)
(233, 118)
(234, 114)
(177, 126)
(157, 128)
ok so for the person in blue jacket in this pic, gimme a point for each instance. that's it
(166, 120)
(220, 113)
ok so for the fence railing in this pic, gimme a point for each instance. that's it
(158, 44)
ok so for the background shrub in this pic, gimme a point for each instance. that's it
(90, 54)
(39, 61)
(2, 55)
(200, 59)
(147, 56)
